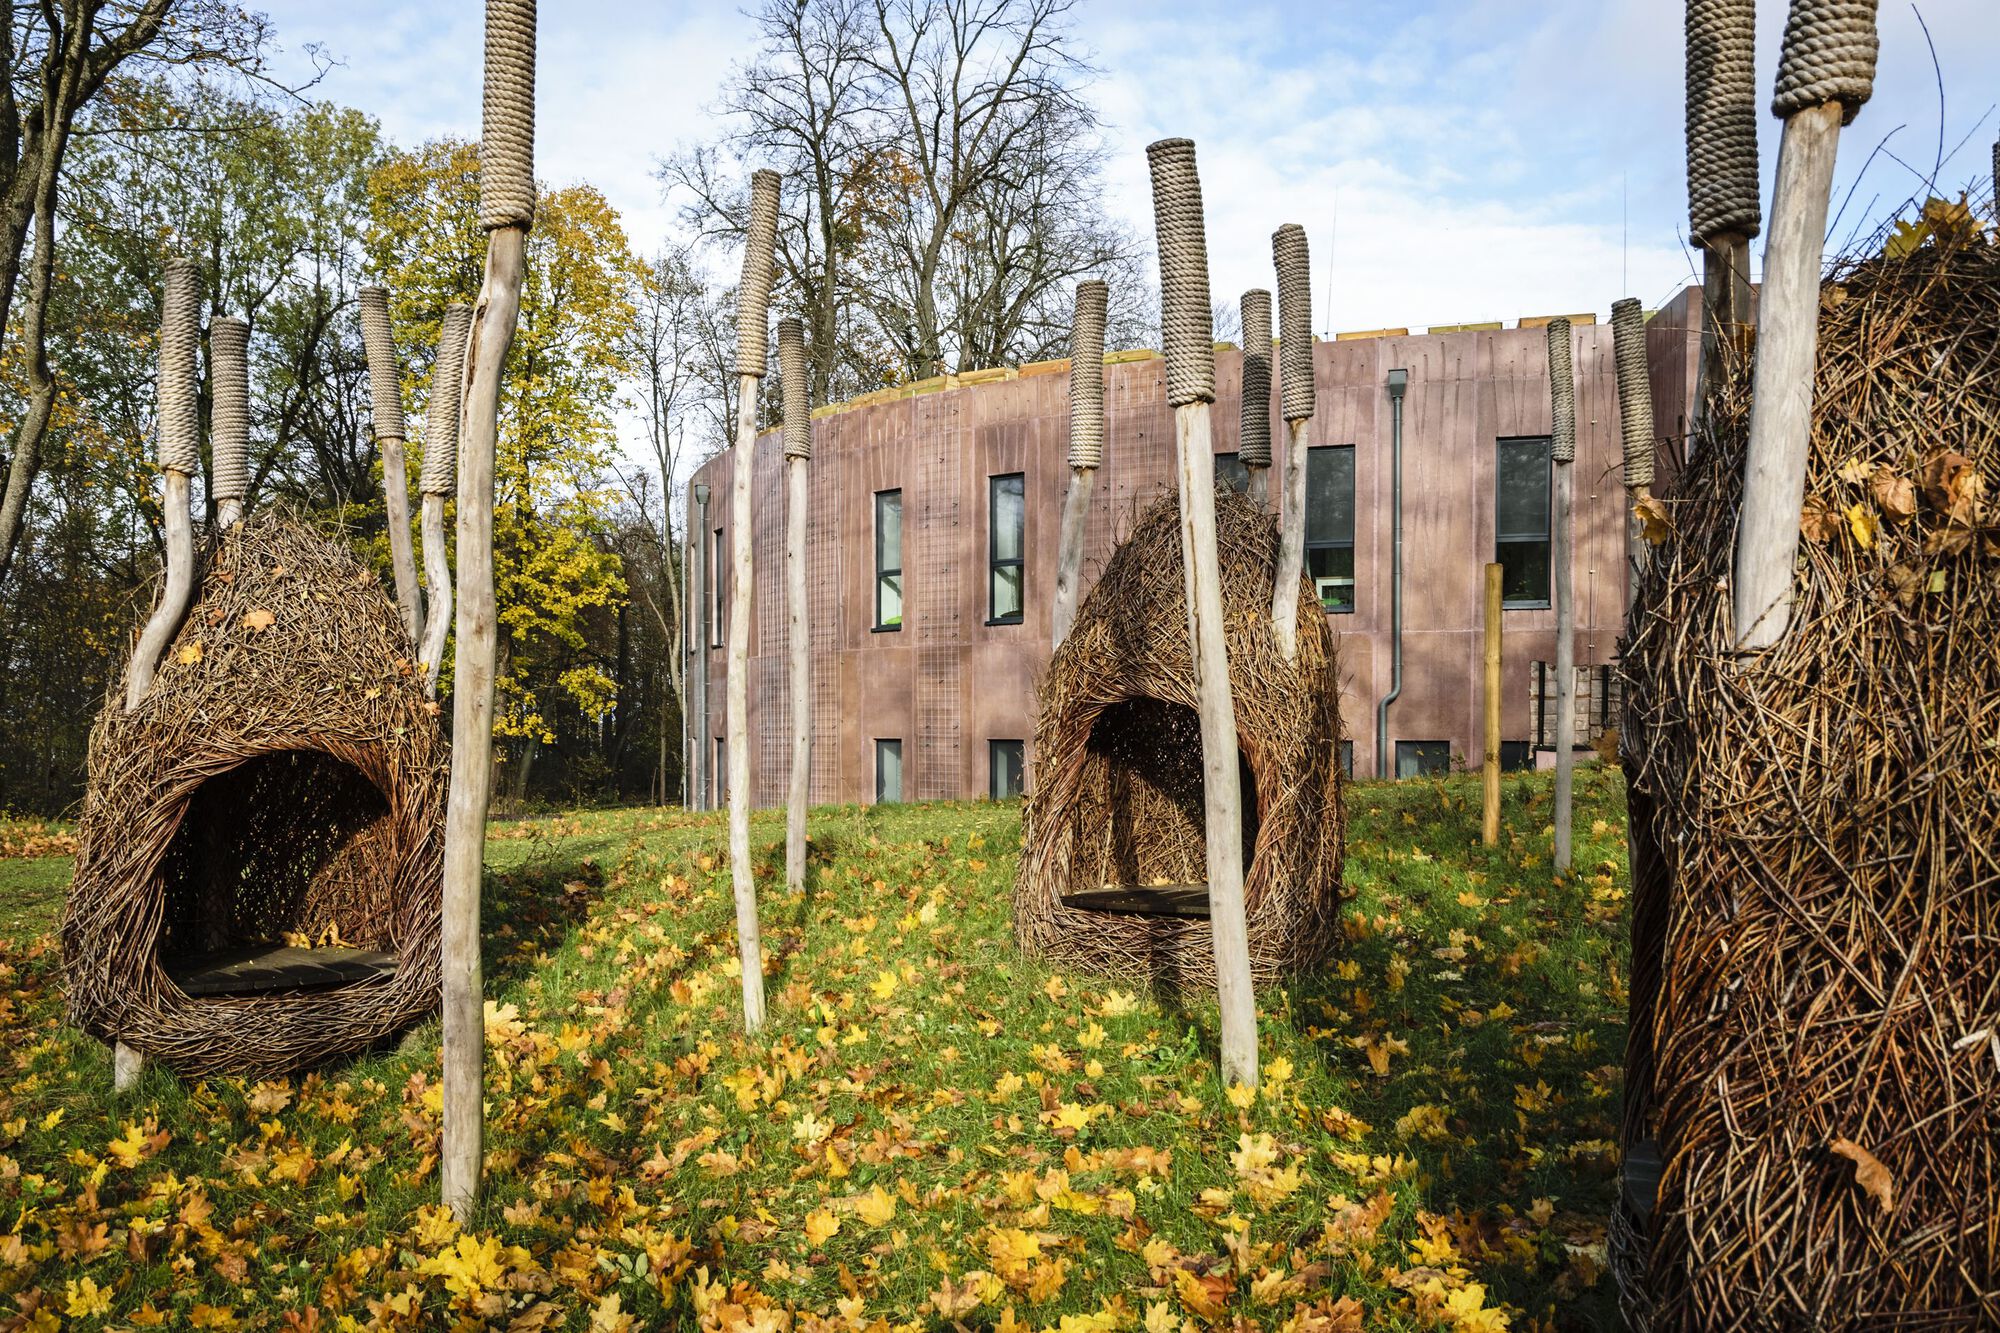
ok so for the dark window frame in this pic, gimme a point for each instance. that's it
(880, 743)
(1521, 539)
(995, 747)
(718, 589)
(1228, 468)
(882, 572)
(1335, 544)
(1416, 750)
(994, 561)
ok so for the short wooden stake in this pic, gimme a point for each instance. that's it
(1489, 828)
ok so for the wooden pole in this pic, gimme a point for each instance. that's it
(179, 447)
(438, 479)
(798, 495)
(1489, 827)
(1086, 447)
(1292, 259)
(385, 385)
(229, 418)
(507, 202)
(1725, 301)
(1562, 456)
(1187, 321)
(1254, 415)
(753, 295)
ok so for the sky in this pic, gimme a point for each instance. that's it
(1451, 160)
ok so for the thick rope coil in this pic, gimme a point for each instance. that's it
(439, 475)
(385, 382)
(507, 117)
(753, 294)
(1828, 56)
(1722, 119)
(1187, 322)
(1255, 450)
(798, 398)
(1295, 335)
(229, 417)
(1635, 390)
(1562, 394)
(176, 391)
(1086, 374)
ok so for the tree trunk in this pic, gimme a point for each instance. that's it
(1291, 541)
(743, 882)
(1069, 553)
(1560, 555)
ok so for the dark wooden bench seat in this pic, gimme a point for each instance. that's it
(261, 969)
(1188, 901)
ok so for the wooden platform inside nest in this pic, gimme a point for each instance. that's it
(1188, 901)
(261, 969)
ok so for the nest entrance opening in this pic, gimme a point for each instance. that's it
(1139, 818)
(277, 879)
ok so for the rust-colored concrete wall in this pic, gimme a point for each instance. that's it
(947, 682)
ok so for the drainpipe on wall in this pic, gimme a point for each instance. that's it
(696, 721)
(1398, 381)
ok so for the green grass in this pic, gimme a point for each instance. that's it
(932, 1124)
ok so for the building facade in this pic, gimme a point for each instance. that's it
(932, 553)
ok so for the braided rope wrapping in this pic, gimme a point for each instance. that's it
(798, 399)
(439, 475)
(753, 294)
(1635, 390)
(229, 421)
(1828, 56)
(1086, 374)
(1295, 337)
(1722, 119)
(1255, 449)
(1996, 178)
(507, 117)
(1562, 394)
(1187, 323)
(176, 393)
(384, 380)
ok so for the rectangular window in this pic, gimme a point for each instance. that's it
(888, 560)
(1005, 764)
(1330, 524)
(888, 771)
(1516, 756)
(1231, 471)
(1422, 759)
(719, 797)
(1521, 527)
(1006, 537)
(718, 577)
(1347, 759)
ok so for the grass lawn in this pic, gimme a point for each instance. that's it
(934, 1131)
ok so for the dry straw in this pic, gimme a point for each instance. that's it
(1118, 791)
(1817, 962)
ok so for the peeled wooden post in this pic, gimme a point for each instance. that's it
(385, 387)
(1825, 73)
(1086, 447)
(437, 478)
(1562, 453)
(1295, 358)
(229, 417)
(1254, 451)
(1489, 824)
(753, 296)
(506, 212)
(179, 415)
(798, 494)
(1723, 208)
(1187, 322)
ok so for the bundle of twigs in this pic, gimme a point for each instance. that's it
(1118, 782)
(1817, 966)
(283, 780)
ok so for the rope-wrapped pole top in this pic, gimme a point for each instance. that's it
(753, 293)
(439, 475)
(1722, 119)
(1562, 393)
(1255, 448)
(229, 424)
(798, 393)
(1086, 374)
(507, 117)
(1828, 56)
(1293, 259)
(1187, 322)
(1635, 390)
(384, 380)
(177, 391)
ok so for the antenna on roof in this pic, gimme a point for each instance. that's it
(1332, 233)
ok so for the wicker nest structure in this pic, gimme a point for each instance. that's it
(1816, 970)
(1118, 802)
(282, 781)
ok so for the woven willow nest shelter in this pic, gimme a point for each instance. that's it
(257, 887)
(1112, 876)
(1816, 975)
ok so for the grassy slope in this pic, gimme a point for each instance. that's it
(932, 1125)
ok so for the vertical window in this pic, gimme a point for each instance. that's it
(1006, 534)
(1516, 756)
(1330, 525)
(1521, 529)
(1347, 759)
(888, 560)
(720, 796)
(888, 771)
(1004, 761)
(718, 577)
(1231, 471)
(1422, 759)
